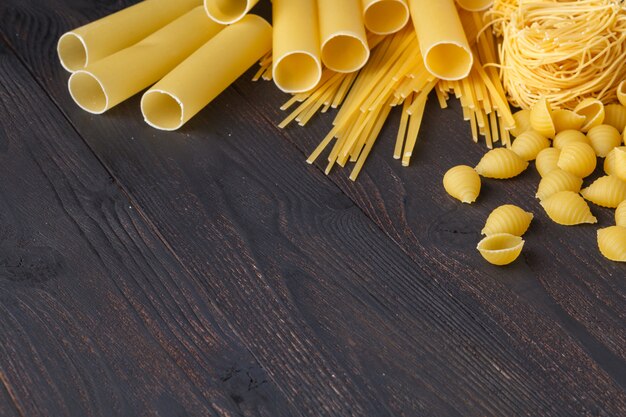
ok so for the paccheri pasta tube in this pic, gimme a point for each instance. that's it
(94, 41)
(383, 17)
(206, 73)
(342, 35)
(442, 41)
(111, 80)
(296, 48)
(228, 11)
(475, 5)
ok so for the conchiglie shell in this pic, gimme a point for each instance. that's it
(547, 161)
(607, 191)
(462, 183)
(566, 120)
(522, 122)
(615, 115)
(621, 92)
(569, 136)
(541, 118)
(556, 181)
(507, 219)
(529, 144)
(615, 163)
(593, 110)
(500, 249)
(568, 208)
(501, 163)
(603, 139)
(620, 214)
(578, 158)
(612, 243)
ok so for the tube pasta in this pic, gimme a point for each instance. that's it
(578, 158)
(296, 49)
(556, 181)
(507, 219)
(612, 243)
(501, 163)
(529, 144)
(342, 35)
(475, 5)
(444, 47)
(200, 78)
(462, 183)
(384, 17)
(547, 161)
(620, 214)
(89, 43)
(111, 80)
(501, 248)
(607, 191)
(228, 12)
(568, 208)
(603, 139)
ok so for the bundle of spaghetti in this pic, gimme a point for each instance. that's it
(564, 51)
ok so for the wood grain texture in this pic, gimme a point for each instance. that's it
(356, 299)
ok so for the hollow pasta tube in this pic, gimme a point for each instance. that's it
(384, 17)
(111, 80)
(475, 5)
(442, 41)
(342, 35)
(296, 48)
(94, 41)
(228, 12)
(206, 73)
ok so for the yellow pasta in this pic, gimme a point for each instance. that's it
(228, 12)
(603, 139)
(566, 119)
(568, 208)
(462, 183)
(547, 161)
(501, 163)
(522, 122)
(296, 49)
(206, 73)
(96, 40)
(541, 118)
(507, 219)
(620, 214)
(612, 243)
(607, 191)
(593, 110)
(383, 17)
(621, 92)
(529, 144)
(578, 158)
(500, 249)
(342, 35)
(615, 115)
(615, 163)
(569, 136)
(556, 181)
(108, 82)
(475, 5)
(444, 47)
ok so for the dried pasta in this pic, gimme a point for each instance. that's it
(577, 158)
(228, 12)
(593, 110)
(475, 5)
(607, 191)
(462, 183)
(615, 115)
(384, 17)
(621, 92)
(566, 119)
(568, 208)
(541, 118)
(612, 243)
(529, 144)
(603, 139)
(556, 181)
(501, 163)
(547, 161)
(501, 248)
(569, 136)
(615, 163)
(522, 122)
(620, 214)
(507, 219)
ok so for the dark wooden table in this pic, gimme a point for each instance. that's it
(211, 272)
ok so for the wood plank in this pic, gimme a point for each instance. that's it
(337, 305)
(98, 317)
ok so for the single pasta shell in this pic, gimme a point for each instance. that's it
(522, 122)
(569, 136)
(607, 191)
(615, 115)
(615, 163)
(612, 243)
(603, 139)
(568, 208)
(620, 214)
(501, 163)
(578, 158)
(621, 92)
(529, 144)
(507, 219)
(558, 180)
(566, 120)
(462, 183)
(541, 118)
(593, 110)
(501, 248)
(547, 161)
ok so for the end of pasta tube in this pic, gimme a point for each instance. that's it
(227, 12)
(297, 72)
(72, 51)
(475, 5)
(162, 110)
(88, 92)
(449, 60)
(345, 52)
(384, 17)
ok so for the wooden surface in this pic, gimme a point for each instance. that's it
(211, 272)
